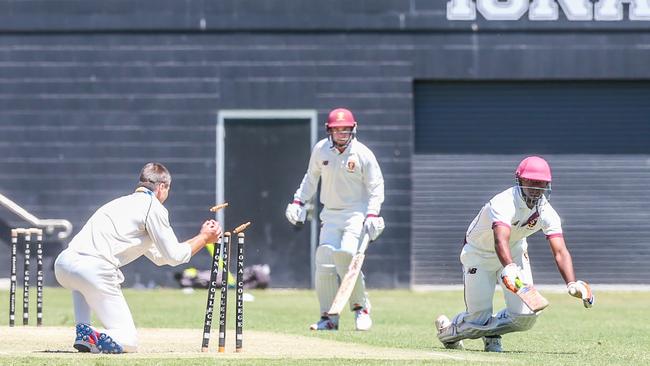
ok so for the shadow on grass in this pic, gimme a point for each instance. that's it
(55, 351)
(443, 349)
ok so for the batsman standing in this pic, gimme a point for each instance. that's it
(495, 251)
(116, 234)
(352, 191)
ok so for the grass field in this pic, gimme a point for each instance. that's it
(615, 332)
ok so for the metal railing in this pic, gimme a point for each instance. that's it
(49, 225)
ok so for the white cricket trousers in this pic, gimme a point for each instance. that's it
(96, 287)
(481, 271)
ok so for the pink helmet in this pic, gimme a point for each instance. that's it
(534, 168)
(341, 117)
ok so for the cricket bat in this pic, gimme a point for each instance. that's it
(350, 279)
(531, 297)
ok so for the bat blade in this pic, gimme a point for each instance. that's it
(532, 298)
(350, 278)
(347, 285)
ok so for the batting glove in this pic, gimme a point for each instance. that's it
(582, 290)
(374, 226)
(296, 212)
(511, 277)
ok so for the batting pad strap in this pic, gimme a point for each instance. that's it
(298, 202)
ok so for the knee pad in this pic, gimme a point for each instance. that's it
(324, 256)
(342, 261)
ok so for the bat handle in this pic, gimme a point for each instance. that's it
(365, 240)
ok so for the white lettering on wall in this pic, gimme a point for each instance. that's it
(601, 10)
(502, 10)
(461, 10)
(613, 9)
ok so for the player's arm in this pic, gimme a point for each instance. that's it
(552, 227)
(511, 273)
(168, 250)
(501, 234)
(579, 289)
(562, 257)
(309, 182)
(296, 211)
(209, 233)
(374, 183)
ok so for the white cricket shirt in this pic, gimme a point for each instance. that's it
(351, 180)
(509, 208)
(128, 227)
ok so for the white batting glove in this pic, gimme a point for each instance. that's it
(582, 290)
(511, 277)
(296, 213)
(374, 226)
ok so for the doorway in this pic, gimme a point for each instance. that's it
(262, 156)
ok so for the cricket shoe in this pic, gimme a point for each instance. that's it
(90, 340)
(492, 344)
(326, 323)
(362, 320)
(106, 344)
(86, 339)
(443, 325)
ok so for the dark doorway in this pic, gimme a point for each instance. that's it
(264, 160)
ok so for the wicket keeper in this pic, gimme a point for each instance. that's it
(118, 233)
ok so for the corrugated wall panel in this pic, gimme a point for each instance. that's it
(601, 196)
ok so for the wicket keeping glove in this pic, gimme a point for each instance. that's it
(511, 277)
(296, 212)
(374, 226)
(581, 290)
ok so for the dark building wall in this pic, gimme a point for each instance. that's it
(90, 90)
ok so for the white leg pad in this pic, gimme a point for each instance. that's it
(326, 278)
(502, 323)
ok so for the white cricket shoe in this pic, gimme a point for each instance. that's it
(362, 319)
(443, 324)
(492, 344)
(326, 323)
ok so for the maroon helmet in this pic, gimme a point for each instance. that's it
(341, 117)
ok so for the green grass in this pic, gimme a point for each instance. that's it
(615, 332)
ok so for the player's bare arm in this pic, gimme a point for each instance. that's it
(562, 258)
(502, 243)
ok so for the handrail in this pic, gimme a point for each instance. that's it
(48, 224)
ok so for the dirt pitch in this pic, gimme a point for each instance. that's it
(56, 342)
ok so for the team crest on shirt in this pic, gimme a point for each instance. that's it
(351, 165)
(532, 221)
(325, 162)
